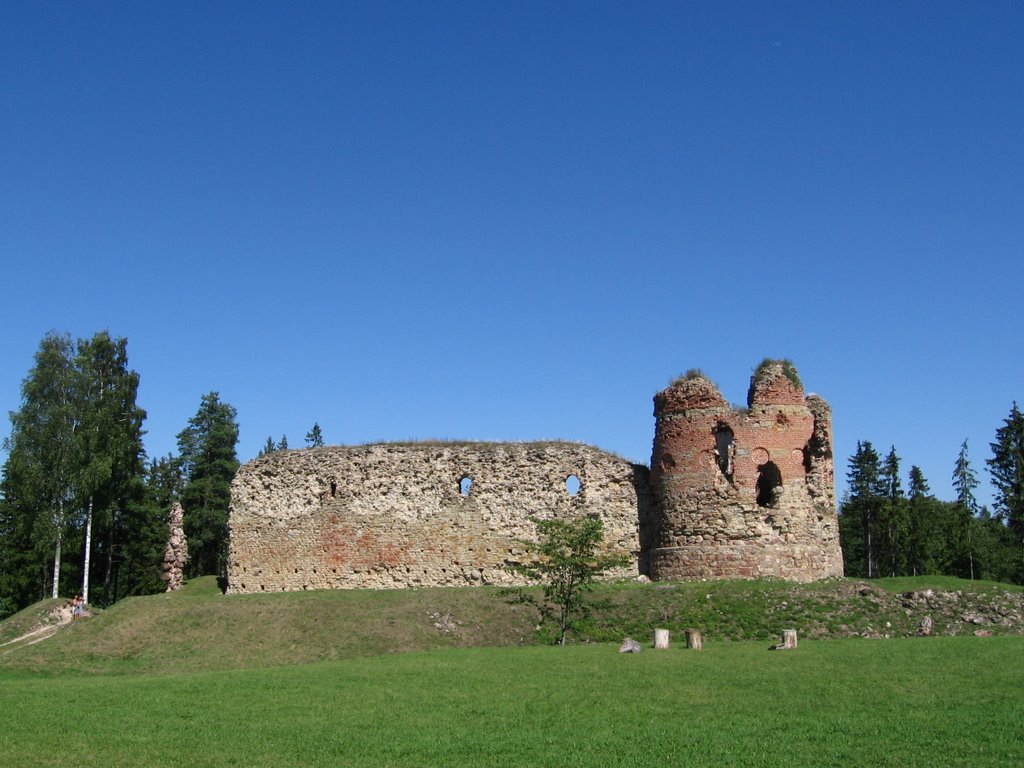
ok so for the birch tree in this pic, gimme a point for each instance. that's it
(42, 448)
(110, 453)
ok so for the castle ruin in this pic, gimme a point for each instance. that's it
(743, 492)
(731, 493)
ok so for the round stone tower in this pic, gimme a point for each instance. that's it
(743, 493)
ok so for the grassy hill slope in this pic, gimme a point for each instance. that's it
(199, 629)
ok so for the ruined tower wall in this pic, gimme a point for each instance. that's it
(743, 493)
(395, 515)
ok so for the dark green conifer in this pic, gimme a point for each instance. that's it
(208, 463)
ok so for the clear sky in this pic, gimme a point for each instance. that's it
(514, 221)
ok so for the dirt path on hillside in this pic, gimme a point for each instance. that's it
(56, 619)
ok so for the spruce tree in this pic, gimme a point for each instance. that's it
(964, 482)
(920, 523)
(893, 514)
(141, 558)
(314, 438)
(283, 444)
(1007, 469)
(268, 447)
(859, 512)
(208, 463)
(23, 565)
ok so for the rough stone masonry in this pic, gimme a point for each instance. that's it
(743, 492)
(419, 514)
(730, 494)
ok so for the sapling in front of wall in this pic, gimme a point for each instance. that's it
(565, 560)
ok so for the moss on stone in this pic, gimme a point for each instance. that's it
(788, 370)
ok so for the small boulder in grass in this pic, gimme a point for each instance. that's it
(629, 645)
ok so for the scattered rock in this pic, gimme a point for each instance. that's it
(629, 645)
(924, 627)
(983, 633)
(444, 622)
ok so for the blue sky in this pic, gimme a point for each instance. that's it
(513, 221)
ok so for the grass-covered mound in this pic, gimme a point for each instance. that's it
(199, 629)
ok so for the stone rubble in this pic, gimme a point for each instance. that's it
(176, 553)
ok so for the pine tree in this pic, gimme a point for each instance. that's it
(1007, 469)
(208, 462)
(268, 448)
(283, 445)
(964, 482)
(314, 438)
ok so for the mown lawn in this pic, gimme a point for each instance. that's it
(912, 702)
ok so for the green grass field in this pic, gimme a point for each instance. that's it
(908, 702)
(454, 677)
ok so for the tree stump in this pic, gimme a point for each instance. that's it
(693, 639)
(788, 641)
(661, 638)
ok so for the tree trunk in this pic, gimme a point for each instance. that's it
(871, 560)
(88, 551)
(56, 555)
(693, 639)
(970, 551)
(110, 563)
(661, 638)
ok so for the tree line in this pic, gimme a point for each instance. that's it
(82, 508)
(887, 530)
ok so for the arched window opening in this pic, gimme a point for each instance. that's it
(769, 484)
(724, 449)
(465, 484)
(573, 485)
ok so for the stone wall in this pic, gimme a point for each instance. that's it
(419, 514)
(731, 493)
(743, 493)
